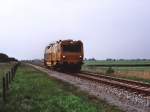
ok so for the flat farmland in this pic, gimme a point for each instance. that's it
(136, 70)
(125, 62)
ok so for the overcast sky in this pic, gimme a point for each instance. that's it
(108, 28)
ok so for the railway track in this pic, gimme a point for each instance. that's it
(128, 85)
(132, 86)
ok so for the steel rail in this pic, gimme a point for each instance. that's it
(140, 88)
(132, 86)
(138, 83)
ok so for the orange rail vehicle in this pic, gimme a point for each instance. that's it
(64, 55)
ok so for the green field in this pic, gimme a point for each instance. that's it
(122, 69)
(94, 64)
(125, 62)
(34, 91)
(139, 73)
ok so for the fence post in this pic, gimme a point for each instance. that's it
(4, 89)
(13, 72)
(9, 78)
(7, 85)
(15, 68)
(11, 75)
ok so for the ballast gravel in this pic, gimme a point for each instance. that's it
(125, 100)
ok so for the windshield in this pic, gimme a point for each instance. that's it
(72, 48)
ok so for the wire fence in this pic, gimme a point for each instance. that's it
(7, 79)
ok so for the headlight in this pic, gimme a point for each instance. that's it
(80, 56)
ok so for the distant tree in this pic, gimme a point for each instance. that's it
(12, 59)
(121, 59)
(5, 58)
(91, 59)
(114, 59)
(109, 59)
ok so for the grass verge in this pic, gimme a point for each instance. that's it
(34, 91)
